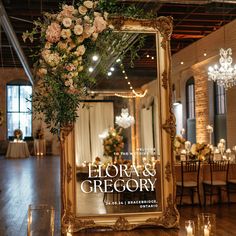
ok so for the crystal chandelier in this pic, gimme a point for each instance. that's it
(225, 75)
(124, 120)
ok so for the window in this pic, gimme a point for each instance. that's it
(190, 90)
(19, 109)
(220, 102)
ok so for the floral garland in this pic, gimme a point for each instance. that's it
(66, 39)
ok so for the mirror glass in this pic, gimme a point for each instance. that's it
(117, 148)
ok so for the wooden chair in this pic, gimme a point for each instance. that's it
(231, 184)
(218, 180)
(189, 183)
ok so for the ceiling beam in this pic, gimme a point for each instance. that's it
(6, 25)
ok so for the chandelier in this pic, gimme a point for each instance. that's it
(124, 120)
(225, 75)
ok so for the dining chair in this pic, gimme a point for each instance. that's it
(231, 182)
(189, 184)
(218, 180)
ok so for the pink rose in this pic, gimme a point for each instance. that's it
(88, 4)
(53, 33)
(100, 24)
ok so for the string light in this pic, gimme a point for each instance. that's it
(95, 57)
(135, 94)
(90, 69)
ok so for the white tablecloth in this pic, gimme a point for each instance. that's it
(17, 150)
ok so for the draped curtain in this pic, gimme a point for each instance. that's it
(92, 121)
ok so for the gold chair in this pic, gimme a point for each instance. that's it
(189, 183)
(218, 180)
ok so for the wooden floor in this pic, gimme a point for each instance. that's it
(34, 180)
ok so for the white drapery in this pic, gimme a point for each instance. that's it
(92, 121)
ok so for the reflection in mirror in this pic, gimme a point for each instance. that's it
(117, 138)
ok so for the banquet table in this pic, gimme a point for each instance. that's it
(205, 175)
(17, 150)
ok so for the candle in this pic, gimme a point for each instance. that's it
(189, 230)
(206, 231)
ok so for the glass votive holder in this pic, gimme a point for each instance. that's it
(40, 220)
(190, 228)
(206, 224)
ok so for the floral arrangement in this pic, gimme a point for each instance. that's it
(113, 144)
(18, 134)
(179, 143)
(66, 38)
(39, 133)
(200, 150)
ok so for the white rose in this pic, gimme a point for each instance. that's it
(88, 4)
(78, 29)
(67, 22)
(83, 10)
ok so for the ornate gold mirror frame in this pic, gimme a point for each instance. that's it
(169, 216)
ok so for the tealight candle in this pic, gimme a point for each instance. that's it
(189, 230)
(190, 227)
(206, 231)
(228, 151)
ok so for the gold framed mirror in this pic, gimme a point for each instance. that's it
(153, 173)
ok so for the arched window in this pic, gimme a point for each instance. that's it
(190, 93)
(19, 107)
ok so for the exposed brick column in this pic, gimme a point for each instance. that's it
(201, 104)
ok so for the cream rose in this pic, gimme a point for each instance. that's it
(67, 22)
(97, 14)
(81, 50)
(66, 33)
(78, 29)
(100, 24)
(88, 4)
(80, 68)
(42, 72)
(87, 19)
(62, 46)
(94, 36)
(83, 10)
